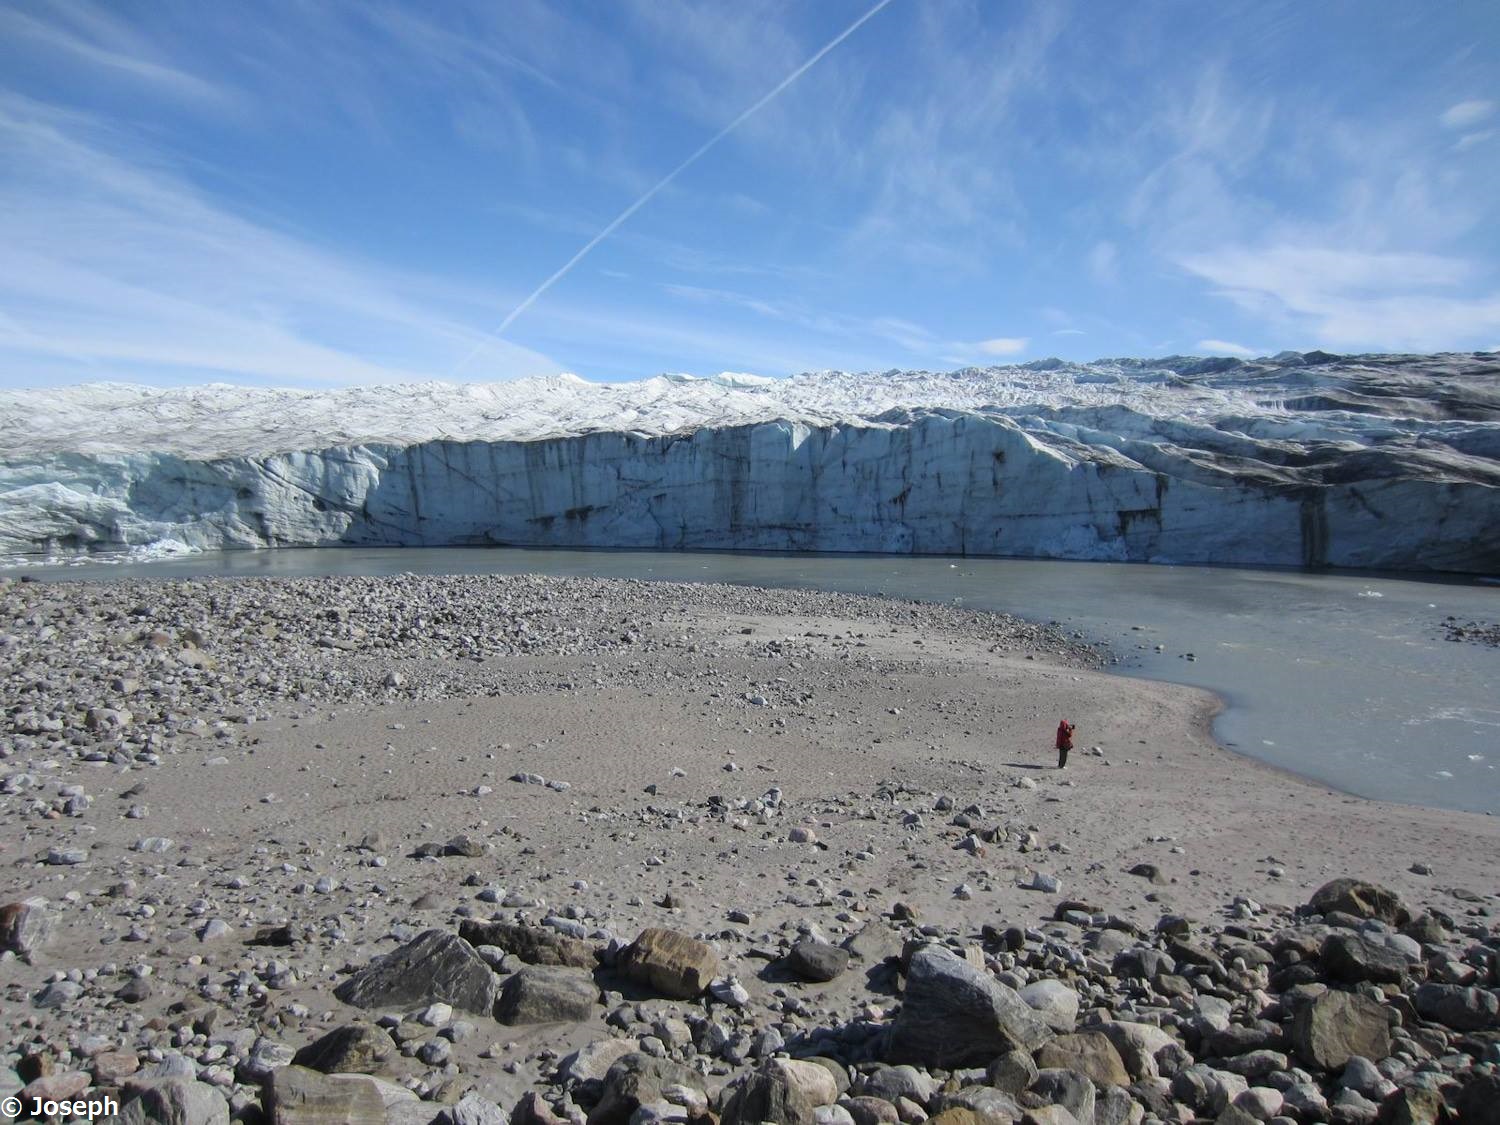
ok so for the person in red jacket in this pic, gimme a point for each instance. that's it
(1064, 742)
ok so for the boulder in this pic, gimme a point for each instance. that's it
(533, 1110)
(1206, 1090)
(57, 1086)
(1054, 1002)
(1479, 1101)
(1066, 1088)
(294, 1095)
(1089, 1053)
(1138, 1044)
(670, 963)
(638, 1079)
(817, 961)
(1352, 958)
(536, 945)
(25, 926)
(985, 1102)
(547, 994)
(472, 1110)
(815, 1083)
(866, 1110)
(434, 966)
(1114, 1106)
(1142, 961)
(592, 1062)
(1331, 1029)
(356, 1048)
(1011, 1072)
(767, 1094)
(1361, 899)
(956, 1015)
(955, 1115)
(1462, 1009)
(891, 1082)
(173, 1101)
(1419, 1107)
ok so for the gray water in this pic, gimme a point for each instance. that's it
(1342, 678)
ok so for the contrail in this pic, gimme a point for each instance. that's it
(667, 179)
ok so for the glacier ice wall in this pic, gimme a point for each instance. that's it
(1233, 476)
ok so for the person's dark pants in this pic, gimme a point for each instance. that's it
(1062, 756)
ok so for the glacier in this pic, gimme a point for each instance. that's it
(1301, 459)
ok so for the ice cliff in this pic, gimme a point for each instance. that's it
(1362, 461)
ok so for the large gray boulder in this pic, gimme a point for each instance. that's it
(1462, 1009)
(1067, 1088)
(173, 1101)
(1054, 1002)
(955, 1015)
(768, 1094)
(1350, 957)
(547, 994)
(356, 1048)
(295, 1095)
(473, 1110)
(636, 1080)
(25, 926)
(536, 945)
(984, 1102)
(1330, 1030)
(1360, 899)
(434, 966)
(817, 961)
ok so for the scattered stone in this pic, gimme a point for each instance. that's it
(956, 1015)
(1054, 1002)
(817, 961)
(1089, 1053)
(295, 1095)
(356, 1048)
(1463, 1009)
(435, 965)
(25, 927)
(638, 1079)
(1359, 899)
(173, 1101)
(670, 963)
(547, 994)
(768, 1094)
(536, 945)
(1336, 1026)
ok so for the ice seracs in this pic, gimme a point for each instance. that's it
(1301, 459)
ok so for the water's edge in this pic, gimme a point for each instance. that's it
(1339, 679)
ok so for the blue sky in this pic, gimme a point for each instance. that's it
(331, 192)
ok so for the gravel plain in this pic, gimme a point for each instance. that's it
(222, 799)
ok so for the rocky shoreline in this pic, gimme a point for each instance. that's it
(491, 849)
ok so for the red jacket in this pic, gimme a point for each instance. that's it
(1065, 735)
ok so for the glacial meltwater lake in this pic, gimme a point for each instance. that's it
(1345, 678)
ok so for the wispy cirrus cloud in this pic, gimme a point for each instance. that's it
(1465, 115)
(1227, 347)
(119, 266)
(1004, 345)
(1352, 298)
(95, 37)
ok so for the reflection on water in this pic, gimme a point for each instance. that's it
(1343, 678)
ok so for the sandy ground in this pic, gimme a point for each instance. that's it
(863, 726)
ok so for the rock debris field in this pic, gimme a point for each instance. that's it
(487, 849)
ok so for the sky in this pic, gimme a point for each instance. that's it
(327, 192)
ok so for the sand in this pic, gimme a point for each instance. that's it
(862, 720)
